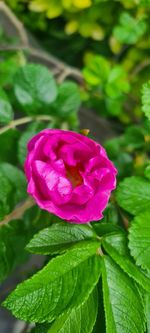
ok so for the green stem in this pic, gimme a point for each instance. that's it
(25, 120)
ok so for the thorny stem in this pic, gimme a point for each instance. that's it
(24, 120)
(18, 212)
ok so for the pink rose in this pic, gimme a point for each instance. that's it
(69, 175)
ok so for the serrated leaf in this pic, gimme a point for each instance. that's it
(78, 320)
(146, 99)
(133, 194)
(59, 237)
(116, 247)
(34, 88)
(68, 100)
(139, 239)
(6, 111)
(123, 304)
(60, 285)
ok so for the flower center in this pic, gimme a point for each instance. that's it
(73, 175)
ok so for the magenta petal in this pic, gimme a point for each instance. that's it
(69, 175)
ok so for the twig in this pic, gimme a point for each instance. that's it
(60, 69)
(63, 69)
(140, 67)
(18, 212)
(17, 24)
(24, 120)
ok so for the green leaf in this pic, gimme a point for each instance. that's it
(122, 302)
(41, 328)
(68, 100)
(146, 99)
(147, 172)
(116, 247)
(31, 130)
(6, 111)
(5, 191)
(13, 239)
(97, 70)
(78, 320)
(59, 237)
(17, 180)
(117, 82)
(130, 29)
(8, 144)
(134, 137)
(133, 195)
(60, 285)
(147, 310)
(34, 88)
(139, 239)
(105, 228)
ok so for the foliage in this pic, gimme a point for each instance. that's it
(97, 34)
(96, 276)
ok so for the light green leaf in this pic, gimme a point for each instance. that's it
(123, 304)
(60, 285)
(146, 99)
(133, 194)
(59, 237)
(139, 239)
(117, 82)
(6, 111)
(97, 70)
(147, 172)
(34, 88)
(116, 247)
(68, 100)
(77, 320)
(130, 29)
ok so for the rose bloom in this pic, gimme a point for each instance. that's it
(69, 175)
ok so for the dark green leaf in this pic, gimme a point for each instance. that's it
(17, 180)
(6, 112)
(13, 239)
